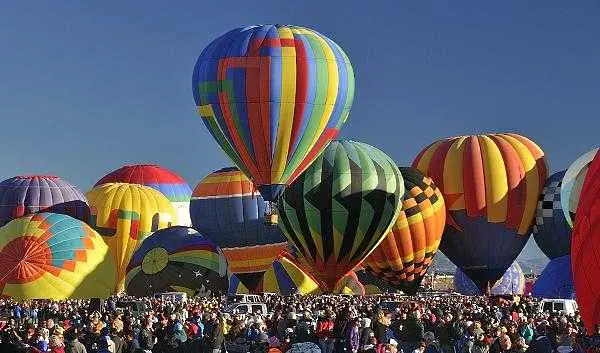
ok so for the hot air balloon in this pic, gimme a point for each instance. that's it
(572, 184)
(54, 256)
(585, 248)
(350, 285)
(177, 191)
(227, 209)
(273, 97)
(491, 184)
(177, 259)
(24, 195)
(124, 215)
(403, 257)
(551, 231)
(556, 281)
(372, 284)
(340, 208)
(512, 282)
(236, 286)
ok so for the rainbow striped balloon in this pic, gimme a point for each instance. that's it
(273, 97)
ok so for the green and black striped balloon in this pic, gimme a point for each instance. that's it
(341, 207)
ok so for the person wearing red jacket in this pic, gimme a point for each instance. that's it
(325, 333)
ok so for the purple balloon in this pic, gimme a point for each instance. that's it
(23, 195)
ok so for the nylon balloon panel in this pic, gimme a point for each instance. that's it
(175, 189)
(585, 248)
(403, 257)
(273, 97)
(556, 280)
(177, 257)
(491, 185)
(253, 258)
(226, 207)
(551, 231)
(573, 183)
(54, 256)
(512, 282)
(125, 214)
(286, 278)
(339, 209)
(24, 195)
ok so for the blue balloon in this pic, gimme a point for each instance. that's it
(551, 231)
(512, 282)
(556, 281)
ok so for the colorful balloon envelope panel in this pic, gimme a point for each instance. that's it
(551, 231)
(177, 259)
(284, 277)
(227, 209)
(404, 256)
(124, 215)
(340, 208)
(54, 256)
(491, 185)
(273, 97)
(512, 282)
(24, 195)
(573, 183)
(556, 280)
(585, 248)
(174, 187)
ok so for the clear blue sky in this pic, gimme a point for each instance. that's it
(85, 88)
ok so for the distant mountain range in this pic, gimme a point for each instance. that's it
(531, 259)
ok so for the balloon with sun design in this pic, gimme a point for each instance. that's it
(177, 259)
(54, 256)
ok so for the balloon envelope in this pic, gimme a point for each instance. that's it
(556, 281)
(404, 256)
(124, 215)
(340, 208)
(273, 97)
(24, 195)
(585, 248)
(551, 231)
(491, 185)
(227, 209)
(177, 259)
(54, 256)
(512, 282)
(572, 184)
(175, 189)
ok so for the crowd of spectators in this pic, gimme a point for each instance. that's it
(327, 324)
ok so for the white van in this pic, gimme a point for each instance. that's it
(564, 306)
(243, 298)
(174, 296)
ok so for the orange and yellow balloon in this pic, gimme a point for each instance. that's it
(406, 253)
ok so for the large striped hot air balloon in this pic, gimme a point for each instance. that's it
(573, 183)
(511, 282)
(551, 231)
(24, 195)
(340, 208)
(125, 214)
(177, 259)
(491, 184)
(54, 256)
(403, 257)
(176, 190)
(273, 97)
(226, 208)
(585, 248)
